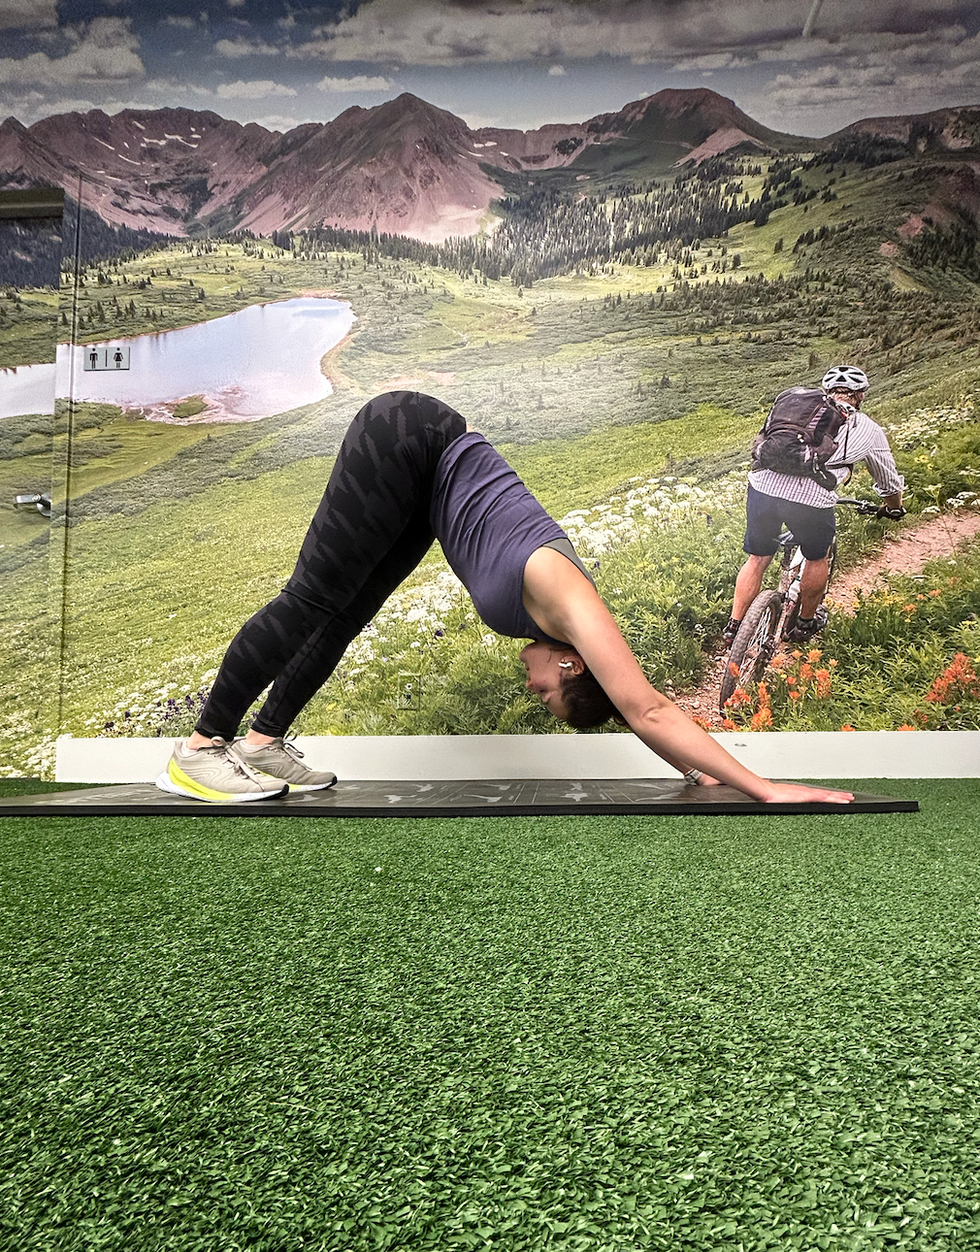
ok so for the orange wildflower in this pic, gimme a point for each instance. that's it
(791, 680)
(763, 719)
(728, 724)
(959, 678)
(806, 671)
(906, 727)
(733, 669)
(699, 721)
(779, 661)
(935, 593)
(908, 608)
(796, 695)
(846, 727)
(823, 683)
(814, 655)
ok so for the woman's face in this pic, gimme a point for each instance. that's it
(545, 665)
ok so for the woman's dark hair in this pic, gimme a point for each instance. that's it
(586, 704)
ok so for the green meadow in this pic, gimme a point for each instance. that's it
(594, 384)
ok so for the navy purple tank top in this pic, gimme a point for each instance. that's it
(488, 524)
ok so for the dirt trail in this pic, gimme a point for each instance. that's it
(903, 553)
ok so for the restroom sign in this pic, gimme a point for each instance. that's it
(101, 356)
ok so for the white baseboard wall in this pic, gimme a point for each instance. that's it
(785, 754)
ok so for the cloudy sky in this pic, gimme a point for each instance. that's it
(804, 66)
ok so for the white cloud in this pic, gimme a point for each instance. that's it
(80, 104)
(691, 34)
(236, 48)
(175, 88)
(27, 106)
(32, 106)
(885, 64)
(940, 45)
(277, 122)
(258, 89)
(28, 14)
(707, 64)
(879, 57)
(431, 32)
(359, 82)
(68, 105)
(104, 50)
(880, 84)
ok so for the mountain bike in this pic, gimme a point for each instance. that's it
(773, 613)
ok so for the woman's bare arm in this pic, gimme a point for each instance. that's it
(566, 606)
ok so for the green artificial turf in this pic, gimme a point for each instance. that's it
(677, 1033)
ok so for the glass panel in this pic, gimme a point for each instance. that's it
(30, 258)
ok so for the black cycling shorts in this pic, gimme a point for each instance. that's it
(765, 516)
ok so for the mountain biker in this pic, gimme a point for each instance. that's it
(409, 470)
(807, 508)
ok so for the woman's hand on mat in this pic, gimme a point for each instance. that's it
(796, 793)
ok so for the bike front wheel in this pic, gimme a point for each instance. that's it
(753, 646)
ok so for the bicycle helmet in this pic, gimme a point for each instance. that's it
(848, 377)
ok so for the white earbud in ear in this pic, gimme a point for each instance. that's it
(565, 665)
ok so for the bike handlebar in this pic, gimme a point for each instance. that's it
(868, 508)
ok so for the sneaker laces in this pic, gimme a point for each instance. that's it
(238, 766)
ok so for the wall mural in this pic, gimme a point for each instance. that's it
(607, 233)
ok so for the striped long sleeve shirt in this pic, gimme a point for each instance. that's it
(860, 439)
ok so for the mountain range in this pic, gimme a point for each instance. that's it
(403, 167)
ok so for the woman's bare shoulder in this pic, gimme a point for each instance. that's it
(555, 591)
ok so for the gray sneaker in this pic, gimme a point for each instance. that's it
(217, 775)
(282, 759)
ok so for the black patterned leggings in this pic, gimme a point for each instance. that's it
(369, 532)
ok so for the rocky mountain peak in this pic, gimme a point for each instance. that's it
(405, 166)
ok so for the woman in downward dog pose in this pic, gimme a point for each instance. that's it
(409, 471)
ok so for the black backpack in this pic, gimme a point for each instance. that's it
(799, 435)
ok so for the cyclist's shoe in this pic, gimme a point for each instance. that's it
(730, 631)
(805, 628)
(216, 775)
(280, 759)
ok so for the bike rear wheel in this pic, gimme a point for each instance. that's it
(753, 646)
